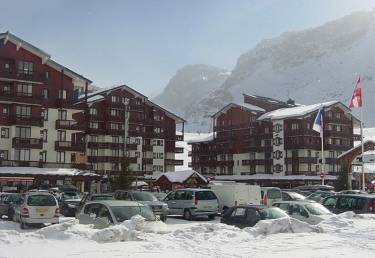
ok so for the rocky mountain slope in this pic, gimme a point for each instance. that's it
(309, 66)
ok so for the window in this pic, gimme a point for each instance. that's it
(278, 168)
(278, 141)
(43, 156)
(93, 138)
(295, 126)
(62, 94)
(60, 156)
(115, 112)
(309, 153)
(24, 90)
(115, 139)
(45, 93)
(25, 67)
(115, 126)
(252, 156)
(115, 99)
(6, 110)
(22, 154)
(3, 155)
(331, 154)
(5, 133)
(23, 111)
(115, 153)
(45, 114)
(338, 115)
(44, 135)
(94, 125)
(93, 112)
(61, 136)
(266, 130)
(277, 128)
(338, 128)
(239, 212)
(23, 132)
(62, 114)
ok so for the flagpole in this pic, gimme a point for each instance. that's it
(322, 140)
(363, 151)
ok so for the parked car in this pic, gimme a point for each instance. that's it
(292, 196)
(248, 216)
(159, 195)
(192, 202)
(108, 212)
(307, 211)
(37, 208)
(270, 195)
(158, 207)
(7, 204)
(319, 196)
(69, 203)
(358, 203)
(88, 197)
(235, 194)
(315, 188)
(352, 192)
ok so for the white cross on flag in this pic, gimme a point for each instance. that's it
(356, 100)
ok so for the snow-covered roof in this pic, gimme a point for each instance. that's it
(204, 138)
(299, 111)
(246, 106)
(368, 137)
(45, 171)
(46, 58)
(180, 176)
(94, 98)
(369, 168)
(273, 177)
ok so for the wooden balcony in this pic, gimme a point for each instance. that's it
(312, 160)
(20, 97)
(26, 120)
(174, 162)
(69, 146)
(147, 161)
(15, 74)
(179, 150)
(147, 147)
(28, 143)
(69, 125)
(110, 159)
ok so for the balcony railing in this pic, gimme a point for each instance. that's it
(174, 162)
(26, 120)
(29, 143)
(20, 97)
(312, 160)
(179, 137)
(110, 159)
(179, 150)
(16, 74)
(69, 146)
(147, 148)
(147, 161)
(69, 125)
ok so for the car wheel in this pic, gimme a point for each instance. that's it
(187, 214)
(10, 215)
(211, 217)
(163, 218)
(23, 225)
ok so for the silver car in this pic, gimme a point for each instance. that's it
(191, 203)
(105, 213)
(159, 208)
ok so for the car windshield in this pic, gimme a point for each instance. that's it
(274, 194)
(205, 195)
(296, 196)
(316, 209)
(14, 198)
(123, 213)
(144, 196)
(70, 195)
(41, 200)
(102, 197)
(272, 213)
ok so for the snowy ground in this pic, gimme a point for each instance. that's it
(342, 236)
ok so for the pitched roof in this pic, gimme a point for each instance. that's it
(248, 107)
(181, 176)
(46, 58)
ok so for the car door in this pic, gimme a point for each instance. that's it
(347, 203)
(331, 204)
(169, 199)
(298, 212)
(104, 218)
(237, 217)
(180, 202)
(252, 217)
(3, 206)
(89, 214)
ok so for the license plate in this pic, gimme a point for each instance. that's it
(41, 210)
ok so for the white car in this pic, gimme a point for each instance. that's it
(37, 208)
(307, 211)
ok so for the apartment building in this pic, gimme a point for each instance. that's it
(269, 141)
(48, 118)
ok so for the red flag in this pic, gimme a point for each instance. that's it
(356, 100)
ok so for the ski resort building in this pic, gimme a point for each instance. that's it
(49, 120)
(271, 142)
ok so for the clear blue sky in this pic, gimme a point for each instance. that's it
(142, 43)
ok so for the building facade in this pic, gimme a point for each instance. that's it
(269, 139)
(45, 121)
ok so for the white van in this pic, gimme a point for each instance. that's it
(231, 194)
(270, 195)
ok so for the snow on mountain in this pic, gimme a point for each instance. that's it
(310, 66)
(189, 86)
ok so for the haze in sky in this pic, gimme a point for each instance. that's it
(142, 43)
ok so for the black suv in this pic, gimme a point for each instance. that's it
(358, 203)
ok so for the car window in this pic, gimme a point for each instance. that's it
(361, 203)
(143, 196)
(283, 206)
(41, 200)
(285, 196)
(188, 195)
(170, 196)
(316, 209)
(205, 195)
(298, 209)
(104, 213)
(179, 195)
(272, 213)
(92, 209)
(274, 193)
(239, 212)
(347, 203)
(252, 214)
(101, 197)
(330, 202)
(123, 213)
